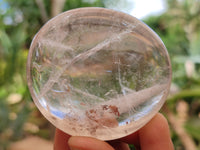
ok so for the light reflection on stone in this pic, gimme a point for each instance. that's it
(97, 72)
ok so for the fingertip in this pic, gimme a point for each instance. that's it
(160, 118)
(158, 124)
(87, 143)
(61, 140)
(156, 134)
(132, 139)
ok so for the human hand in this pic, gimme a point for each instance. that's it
(154, 135)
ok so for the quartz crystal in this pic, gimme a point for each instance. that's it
(98, 72)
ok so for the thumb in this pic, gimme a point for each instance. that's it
(87, 143)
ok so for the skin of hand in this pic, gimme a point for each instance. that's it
(155, 135)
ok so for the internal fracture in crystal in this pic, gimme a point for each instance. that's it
(98, 72)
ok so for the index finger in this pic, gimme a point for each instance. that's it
(61, 140)
(154, 135)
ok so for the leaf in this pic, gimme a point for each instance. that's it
(195, 44)
(193, 128)
(5, 41)
(4, 115)
(182, 59)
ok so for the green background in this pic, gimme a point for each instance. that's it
(178, 27)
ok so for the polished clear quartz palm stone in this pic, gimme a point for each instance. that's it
(98, 72)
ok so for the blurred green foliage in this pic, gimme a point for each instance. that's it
(178, 27)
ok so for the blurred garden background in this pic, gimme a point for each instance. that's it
(178, 26)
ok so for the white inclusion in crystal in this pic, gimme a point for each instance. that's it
(37, 67)
(36, 53)
(154, 101)
(83, 56)
(123, 91)
(57, 91)
(146, 110)
(124, 23)
(59, 46)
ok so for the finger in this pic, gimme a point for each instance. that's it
(119, 145)
(155, 135)
(88, 143)
(61, 140)
(132, 139)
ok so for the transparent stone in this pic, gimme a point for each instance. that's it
(97, 72)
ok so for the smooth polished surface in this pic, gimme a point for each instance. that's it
(97, 72)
